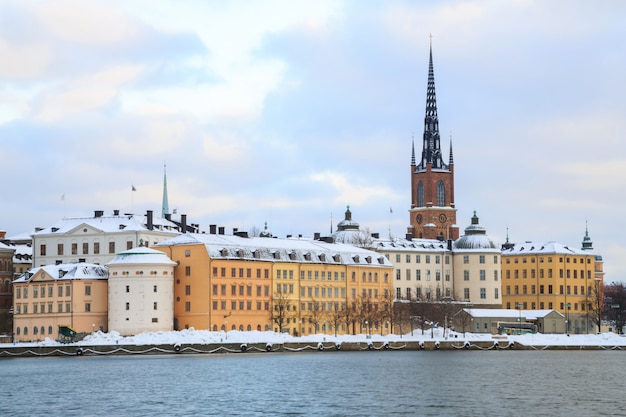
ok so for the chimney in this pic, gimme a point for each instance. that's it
(316, 236)
(220, 230)
(409, 236)
(376, 235)
(168, 217)
(98, 213)
(212, 229)
(183, 223)
(241, 234)
(3, 234)
(235, 229)
(150, 224)
(116, 212)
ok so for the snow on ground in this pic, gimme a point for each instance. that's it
(192, 336)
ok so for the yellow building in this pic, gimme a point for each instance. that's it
(74, 295)
(538, 276)
(300, 286)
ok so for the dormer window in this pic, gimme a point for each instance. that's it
(224, 252)
(368, 259)
(276, 255)
(292, 256)
(323, 257)
(337, 258)
(307, 256)
(355, 258)
(240, 253)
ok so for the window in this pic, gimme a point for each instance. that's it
(154, 288)
(154, 305)
(67, 291)
(408, 293)
(127, 306)
(128, 288)
(441, 194)
(466, 275)
(187, 306)
(60, 249)
(42, 252)
(495, 275)
(420, 194)
(85, 248)
(465, 259)
(483, 275)
(87, 289)
(74, 248)
(187, 253)
(96, 248)
(87, 307)
(187, 289)
(398, 293)
(408, 259)
(418, 275)
(188, 271)
(496, 293)
(466, 293)
(481, 259)
(129, 245)
(68, 308)
(418, 258)
(111, 247)
(408, 274)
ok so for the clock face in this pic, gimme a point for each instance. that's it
(419, 219)
(442, 218)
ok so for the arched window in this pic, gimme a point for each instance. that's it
(420, 194)
(49, 329)
(43, 331)
(17, 331)
(441, 194)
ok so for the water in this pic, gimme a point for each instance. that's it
(399, 383)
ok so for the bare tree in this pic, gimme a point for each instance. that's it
(315, 314)
(336, 316)
(281, 310)
(596, 304)
(363, 239)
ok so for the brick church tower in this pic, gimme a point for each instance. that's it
(432, 213)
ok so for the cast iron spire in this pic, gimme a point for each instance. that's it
(166, 208)
(431, 151)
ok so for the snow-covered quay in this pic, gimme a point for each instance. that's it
(204, 341)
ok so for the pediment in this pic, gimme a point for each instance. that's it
(83, 229)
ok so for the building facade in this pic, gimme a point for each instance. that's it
(99, 238)
(433, 212)
(477, 266)
(553, 276)
(7, 254)
(300, 286)
(45, 297)
(141, 292)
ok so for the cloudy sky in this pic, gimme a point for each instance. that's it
(287, 111)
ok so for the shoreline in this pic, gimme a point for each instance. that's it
(79, 349)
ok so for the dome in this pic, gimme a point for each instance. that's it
(475, 237)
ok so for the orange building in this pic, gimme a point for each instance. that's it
(538, 276)
(74, 295)
(300, 286)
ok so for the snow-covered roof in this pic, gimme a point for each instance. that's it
(301, 250)
(141, 256)
(111, 224)
(508, 313)
(84, 271)
(413, 245)
(532, 248)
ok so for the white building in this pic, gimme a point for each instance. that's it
(97, 239)
(477, 267)
(141, 292)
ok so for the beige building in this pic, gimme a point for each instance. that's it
(45, 297)
(477, 267)
(141, 292)
(99, 238)
(503, 321)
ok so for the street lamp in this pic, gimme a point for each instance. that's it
(568, 305)
(519, 307)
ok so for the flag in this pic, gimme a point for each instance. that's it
(174, 211)
(133, 188)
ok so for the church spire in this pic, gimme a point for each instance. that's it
(412, 151)
(165, 206)
(431, 152)
(587, 243)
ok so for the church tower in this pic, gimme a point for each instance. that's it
(432, 213)
(165, 207)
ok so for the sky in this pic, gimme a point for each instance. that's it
(286, 112)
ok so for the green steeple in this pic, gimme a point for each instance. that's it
(166, 207)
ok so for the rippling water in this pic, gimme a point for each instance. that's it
(400, 383)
